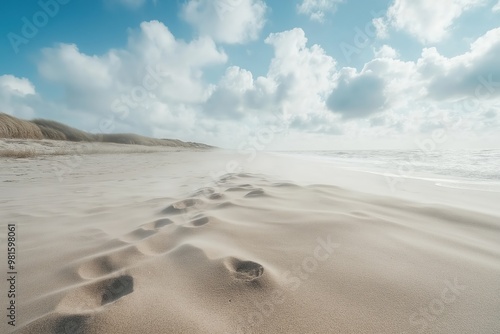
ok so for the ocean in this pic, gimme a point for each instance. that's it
(468, 169)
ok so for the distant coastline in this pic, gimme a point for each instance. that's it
(16, 128)
(41, 131)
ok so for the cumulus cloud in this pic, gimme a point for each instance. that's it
(378, 121)
(428, 20)
(156, 86)
(17, 96)
(490, 114)
(385, 51)
(226, 21)
(316, 9)
(458, 94)
(496, 8)
(16, 86)
(475, 73)
(302, 86)
(145, 85)
(65, 64)
(403, 83)
(465, 84)
(357, 94)
(381, 27)
(238, 95)
(306, 72)
(304, 75)
(296, 84)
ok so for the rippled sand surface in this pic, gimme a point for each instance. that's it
(173, 242)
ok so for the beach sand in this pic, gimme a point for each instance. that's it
(185, 242)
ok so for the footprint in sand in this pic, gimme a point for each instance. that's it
(97, 267)
(244, 270)
(115, 288)
(138, 235)
(204, 191)
(74, 324)
(157, 224)
(215, 196)
(285, 185)
(200, 220)
(113, 261)
(97, 293)
(161, 223)
(243, 187)
(181, 206)
(256, 193)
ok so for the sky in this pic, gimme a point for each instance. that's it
(260, 74)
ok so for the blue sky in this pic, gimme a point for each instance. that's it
(304, 74)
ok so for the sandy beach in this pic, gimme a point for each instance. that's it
(250, 167)
(173, 242)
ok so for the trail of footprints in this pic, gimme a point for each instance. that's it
(107, 273)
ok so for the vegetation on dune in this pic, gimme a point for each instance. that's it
(11, 127)
(68, 132)
(50, 133)
(15, 128)
(20, 153)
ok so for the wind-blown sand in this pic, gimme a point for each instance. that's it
(32, 148)
(172, 243)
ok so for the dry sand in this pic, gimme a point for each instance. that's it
(32, 148)
(171, 243)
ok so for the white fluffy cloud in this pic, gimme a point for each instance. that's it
(496, 8)
(238, 95)
(428, 20)
(16, 96)
(226, 21)
(16, 86)
(460, 76)
(381, 27)
(156, 86)
(316, 9)
(302, 73)
(460, 94)
(294, 89)
(385, 51)
(65, 64)
(144, 85)
(357, 95)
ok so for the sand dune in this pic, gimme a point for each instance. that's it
(153, 244)
(11, 127)
(37, 129)
(29, 148)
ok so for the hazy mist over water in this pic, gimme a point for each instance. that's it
(465, 165)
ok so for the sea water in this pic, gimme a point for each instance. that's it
(468, 169)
